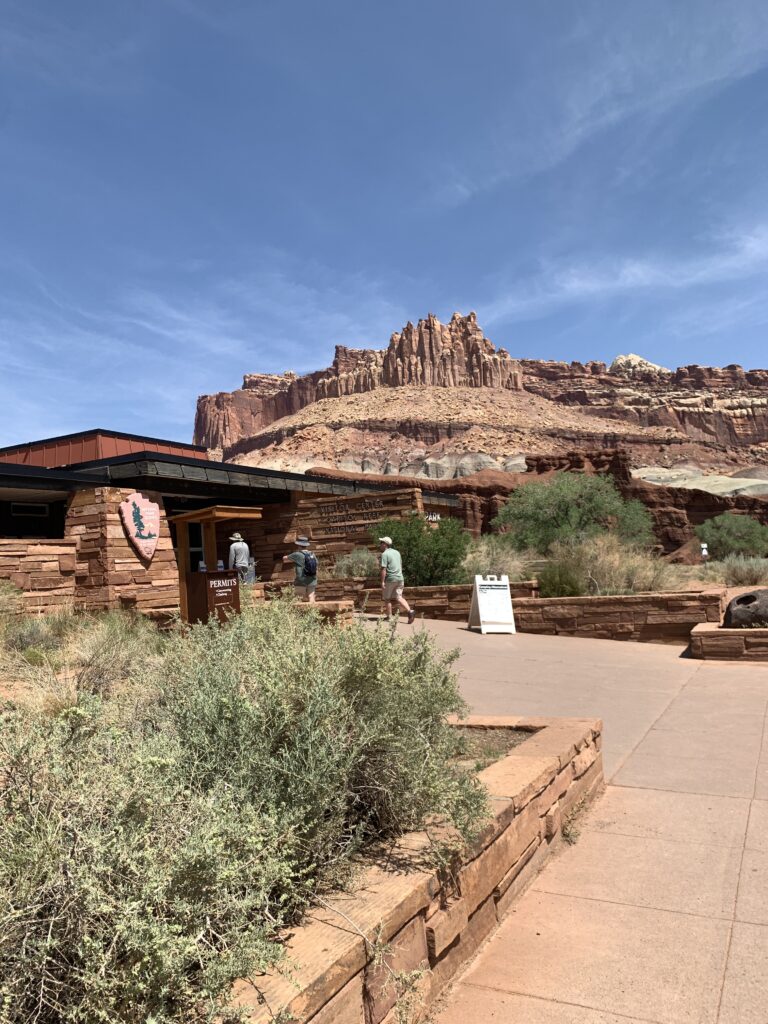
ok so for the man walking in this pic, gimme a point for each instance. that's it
(239, 555)
(392, 581)
(305, 582)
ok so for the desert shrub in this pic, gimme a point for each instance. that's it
(432, 555)
(10, 599)
(359, 562)
(493, 555)
(602, 565)
(732, 534)
(739, 571)
(562, 578)
(152, 847)
(571, 507)
(43, 632)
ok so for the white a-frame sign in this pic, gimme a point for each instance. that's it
(491, 608)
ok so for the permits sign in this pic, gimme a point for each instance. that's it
(491, 608)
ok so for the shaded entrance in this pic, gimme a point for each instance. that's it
(198, 600)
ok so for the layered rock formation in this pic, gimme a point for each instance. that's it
(441, 402)
(727, 406)
(429, 354)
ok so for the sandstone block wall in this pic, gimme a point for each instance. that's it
(431, 924)
(44, 570)
(643, 617)
(335, 525)
(709, 641)
(109, 573)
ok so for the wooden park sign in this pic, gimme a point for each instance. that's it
(141, 522)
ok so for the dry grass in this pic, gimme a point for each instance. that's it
(603, 565)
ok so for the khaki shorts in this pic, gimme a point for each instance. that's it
(392, 590)
(302, 592)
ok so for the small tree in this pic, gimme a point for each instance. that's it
(571, 507)
(732, 534)
(432, 555)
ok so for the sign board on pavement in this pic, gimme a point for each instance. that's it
(491, 608)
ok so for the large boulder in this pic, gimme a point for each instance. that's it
(747, 610)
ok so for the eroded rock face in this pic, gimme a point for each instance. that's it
(722, 405)
(715, 417)
(747, 611)
(430, 353)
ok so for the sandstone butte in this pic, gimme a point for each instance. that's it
(442, 402)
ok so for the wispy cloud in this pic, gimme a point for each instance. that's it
(139, 361)
(730, 257)
(98, 56)
(620, 61)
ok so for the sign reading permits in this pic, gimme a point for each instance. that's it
(141, 522)
(491, 608)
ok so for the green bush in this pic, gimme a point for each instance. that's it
(602, 565)
(731, 534)
(432, 555)
(360, 562)
(559, 579)
(156, 836)
(493, 555)
(571, 507)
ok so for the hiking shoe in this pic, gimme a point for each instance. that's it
(411, 616)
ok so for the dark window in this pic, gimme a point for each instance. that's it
(27, 510)
(32, 519)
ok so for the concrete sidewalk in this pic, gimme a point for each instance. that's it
(659, 913)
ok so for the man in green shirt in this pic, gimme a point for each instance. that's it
(392, 581)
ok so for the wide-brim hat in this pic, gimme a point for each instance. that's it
(386, 540)
(236, 536)
(302, 542)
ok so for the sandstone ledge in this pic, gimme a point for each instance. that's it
(431, 926)
(709, 640)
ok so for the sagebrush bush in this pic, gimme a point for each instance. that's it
(432, 554)
(739, 571)
(153, 841)
(571, 507)
(359, 562)
(493, 555)
(602, 565)
(732, 534)
(10, 600)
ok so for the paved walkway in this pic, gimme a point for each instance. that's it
(659, 913)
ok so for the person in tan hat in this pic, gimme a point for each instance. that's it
(239, 554)
(392, 581)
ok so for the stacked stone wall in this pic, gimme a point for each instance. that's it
(109, 572)
(431, 924)
(44, 570)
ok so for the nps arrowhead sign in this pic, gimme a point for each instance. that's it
(141, 522)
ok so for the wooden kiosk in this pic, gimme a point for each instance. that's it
(213, 592)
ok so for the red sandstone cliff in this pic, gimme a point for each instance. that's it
(429, 354)
(442, 401)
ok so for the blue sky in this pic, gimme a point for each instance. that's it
(195, 189)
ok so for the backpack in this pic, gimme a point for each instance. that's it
(310, 564)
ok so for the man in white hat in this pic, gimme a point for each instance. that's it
(305, 583)
(239, 555)
(392, 581)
